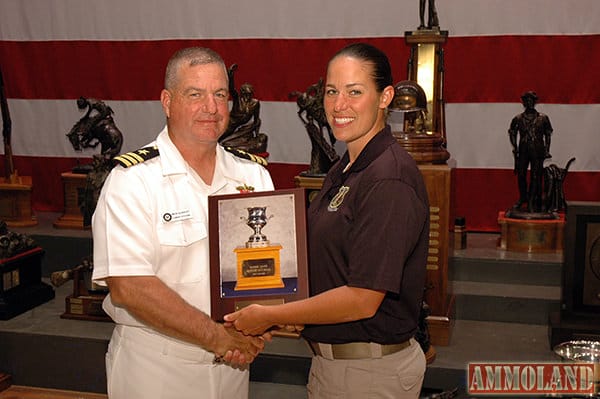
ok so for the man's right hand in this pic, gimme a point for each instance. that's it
(235, 348)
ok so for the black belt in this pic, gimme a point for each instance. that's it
(356, 350)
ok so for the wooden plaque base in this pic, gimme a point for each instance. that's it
(530, 235)
(15, 202)
(84, 304)
(74, 188)
(85, 307)
(260, 281)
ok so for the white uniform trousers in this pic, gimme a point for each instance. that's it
(144, 365)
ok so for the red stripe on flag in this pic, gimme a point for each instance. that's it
(477, 194)
(562, 69)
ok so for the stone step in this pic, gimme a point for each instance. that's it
(516, 303)
(490, 284)
(483, 261)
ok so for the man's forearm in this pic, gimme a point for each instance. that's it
(154, 303)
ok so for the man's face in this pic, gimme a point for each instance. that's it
(197, 108)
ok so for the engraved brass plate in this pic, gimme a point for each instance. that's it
(258, 267)
(267, 302)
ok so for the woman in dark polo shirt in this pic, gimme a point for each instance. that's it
(368, 240)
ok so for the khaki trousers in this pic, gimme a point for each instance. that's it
(143, 365)
(395, 376)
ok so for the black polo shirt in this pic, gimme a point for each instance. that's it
(369, 228)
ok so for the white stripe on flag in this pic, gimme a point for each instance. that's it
(477, 133)
(213, 19)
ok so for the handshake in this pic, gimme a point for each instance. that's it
(246, 331)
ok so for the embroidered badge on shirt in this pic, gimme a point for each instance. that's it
(337, 200)
(245, 189)
(177, 215)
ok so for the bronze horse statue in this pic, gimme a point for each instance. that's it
(99, 128)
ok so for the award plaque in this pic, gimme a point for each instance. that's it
(258, 250)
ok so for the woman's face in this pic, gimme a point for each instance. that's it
(355, 109)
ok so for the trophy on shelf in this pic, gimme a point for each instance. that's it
(258, 262)
(15, 190)
(83, 183)
(421, 130)
(21, 285)
(85, 303)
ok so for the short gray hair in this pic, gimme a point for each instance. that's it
(190, 56)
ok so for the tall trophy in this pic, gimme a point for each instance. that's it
(422, 133)
(258, 262)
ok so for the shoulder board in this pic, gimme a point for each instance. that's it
(246, 155)
(135, 157)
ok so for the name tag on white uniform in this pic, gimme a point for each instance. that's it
(177, 215)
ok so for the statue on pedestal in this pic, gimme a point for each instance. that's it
(530, 133)
(95, 127)
(243, 131)
(312, 114)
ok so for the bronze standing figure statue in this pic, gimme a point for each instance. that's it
(312, 115)
(529, 134)
(243, 131)
(432, 17)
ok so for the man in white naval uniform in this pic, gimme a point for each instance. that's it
(150, 234)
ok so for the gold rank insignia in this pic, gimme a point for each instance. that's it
(135, 157)
(246, 155)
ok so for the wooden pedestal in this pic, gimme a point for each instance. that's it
(84, 304)
(21, 287)
(258, 268)
(438, 296)
(531, 235)
(15, 202)
(311, 184)
(74, 188)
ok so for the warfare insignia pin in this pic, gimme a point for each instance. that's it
(337, 200)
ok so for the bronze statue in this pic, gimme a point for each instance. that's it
(243, 131)
(9, 168)
(96, 127)
(312, 114)
(432, 17)
(529, 135)
(554, 177)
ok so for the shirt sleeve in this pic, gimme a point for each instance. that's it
(122, 227)
(390, 219)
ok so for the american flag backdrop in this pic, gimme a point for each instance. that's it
(54, 51)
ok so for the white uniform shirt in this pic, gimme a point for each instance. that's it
(132, 236)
